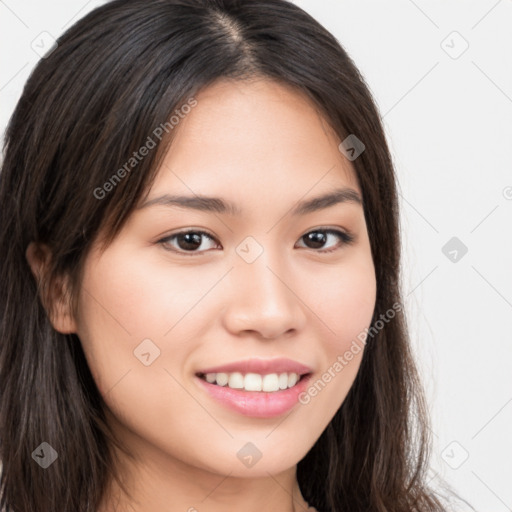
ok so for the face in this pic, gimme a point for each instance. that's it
(191, 293)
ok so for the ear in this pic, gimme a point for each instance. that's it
(55, 298)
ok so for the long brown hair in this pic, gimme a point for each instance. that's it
(114, 77)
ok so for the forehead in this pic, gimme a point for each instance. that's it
(257, 137)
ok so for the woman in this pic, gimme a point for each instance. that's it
(200, 264)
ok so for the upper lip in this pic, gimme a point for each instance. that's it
(261, 366)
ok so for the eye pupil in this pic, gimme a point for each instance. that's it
(193, 240)
(317, 237)
(190, 241)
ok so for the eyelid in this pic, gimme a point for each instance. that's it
(201, 231)
(346, 236)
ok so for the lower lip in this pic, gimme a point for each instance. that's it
(257, 404)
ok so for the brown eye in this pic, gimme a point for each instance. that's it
(192, 242)
(186, 241)
(319, 237)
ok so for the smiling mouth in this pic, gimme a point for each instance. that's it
(268, 383)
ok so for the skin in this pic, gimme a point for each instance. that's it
(263, 146)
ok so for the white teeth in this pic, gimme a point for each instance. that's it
(222, 379)
(292, 379)
(254, 381)
(236, 380)
(270, 382)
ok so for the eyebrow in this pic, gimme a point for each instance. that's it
(218, 205)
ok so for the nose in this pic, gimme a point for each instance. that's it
(263, 299)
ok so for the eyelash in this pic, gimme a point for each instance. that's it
(344, 236)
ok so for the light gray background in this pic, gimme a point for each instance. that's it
(448, 117)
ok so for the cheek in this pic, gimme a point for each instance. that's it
(127, 300)
(345, 300)
(143, 298)
(137, 311)
(126, 305)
